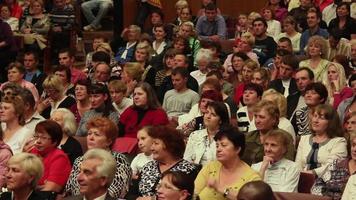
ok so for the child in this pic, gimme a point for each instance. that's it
(118, 89)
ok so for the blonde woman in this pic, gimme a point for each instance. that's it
(131, 76)
(143, 55)
(336, 83)
(187, 31)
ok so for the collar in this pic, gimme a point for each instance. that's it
(35, 116)
(102, 197)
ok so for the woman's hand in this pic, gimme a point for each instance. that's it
(27, 30)
(266, 162)
(43, 104)
(29, 145)
(336, 85)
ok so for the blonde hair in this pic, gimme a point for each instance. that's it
(251, 64)
(191, 25)
(249, 38)
(353, 42)
(105, 47)
(69, 123)
(181, 4)
(147, 47)
(321, 43)
(133, 70)
(53, 82)
(278, 99)
(341, 81)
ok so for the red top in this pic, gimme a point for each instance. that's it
(16, 11)
(57, 166)
(77, 75)
(339, 97)
(238, 92)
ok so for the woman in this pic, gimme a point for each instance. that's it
(181, 44)
(16, 10)
(11, 115)
(168, 64)
(185, 15)
(272, 168)
(143, 55)
(201, 146)
(316, 51)
(36, 26)
(326, 144)
(5, 155)
(336, 84)
(126, 53)
(15, 74)
(175, 185)
(290, 31)
(68, 144)
(349, 124)
(53, 96)
(337, 173)
(159, 45)
(81, 91)
(167, 153)
(237, 62)
(279, 8)
(266, 115)
(23, 166)
(203, 59)
(187, 31)
(102, 133)
(118, 90)
(274, 26)
(48, 135)
(101, 105)
(314, 94)
(145, 110)
(131, 76)
(223, 178)
(261, 76)
(348, 105)
(343, 22)
(5, 15)
(64, 74)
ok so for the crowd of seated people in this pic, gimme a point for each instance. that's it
(167, 111)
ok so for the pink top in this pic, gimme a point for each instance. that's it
(77, 75)
(339, 97)
(28, 85)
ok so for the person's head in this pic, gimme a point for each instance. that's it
(216, 115)
(313, 17)
(317, 47)
(36, 7)
(11, 89)
(306, 3)
(277, 60)
(157, 17)
(160, 32)
(48, 134)
(180, 4)
(134, 33)
(175, 185)
(352, 83)
(15, 72)
(181, 44)
(53, 87)
(350, 122)
(168, 59)
(98, 40)
(66, 119)
(315, 94)
(303, 77)
(247, 41)
(30, 60)
(247, 70)
(230, 144)
(145, 97)
(180, 78)
(241, 19)
(207, 97)
(25, 170)
(168, 143)
(102, 133)
(66, 57)
(143, 52)
(256, 190)
(353, 145)
(276, 144)
(5, 11)
(259, 27)
(98, 95)
(203, 58)
(237, 61)
(289, 24)
(325, 120)
(29, 101)
(288, 67)
(117, 89)
(336, 72)
(132, 71)
(144, 140)
(252, 94)
(211, 12)
(334, 38)
(181, 60)
(100, 56)
(104, 47)
(97, 171)
(186, 29)
(268, 13)
(63, 73)
(266, 115)
(343, 9)
(278, 99)
(81, 90)
(60, 4)
(261, 76)
(216, 75)
(185, 15)
(285, 43)
(102, 72)
(11, 109)
(353, 49)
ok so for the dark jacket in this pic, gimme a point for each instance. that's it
(80, 197)
(278, 86)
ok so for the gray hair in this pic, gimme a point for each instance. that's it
(204, 54)
(69, 123)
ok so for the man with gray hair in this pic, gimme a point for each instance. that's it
(97, 171)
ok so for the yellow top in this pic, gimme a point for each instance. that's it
(212, 171)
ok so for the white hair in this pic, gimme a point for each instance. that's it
(204, 54)
(69, 123)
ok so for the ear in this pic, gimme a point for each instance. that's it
(109, 142)
(103, 181)
(184, 195)
(238, 149)
(105, 97)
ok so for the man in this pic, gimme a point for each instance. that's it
(97, 171)
(313, 20)
(286, 84)
(33, 74)
(31, 116)
(180, 99)
(66, 58)
(338, 45)
(300, 13)
(102, 73)
(329, 11)
(265, 46)
(94, 21)
(211, 26)
(286, 44)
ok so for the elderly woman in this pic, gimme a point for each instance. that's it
(48, 135)
(201, 146)
(336, 83)
(167, 151)
(143, 55)
(126, 53)
(326, 143)
(223, 178)
(272, 168)
(68, 144)
(53, 97)
(11, 116)
(81, 92)
(176, 185)
(102, 133)
(316, 51)
(131, 76)
(203, 59)
(23, 166)
(266, 115)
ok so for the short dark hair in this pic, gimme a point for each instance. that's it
(255, 87)
(61, 68)
(319, 88)
(101, 56)
(52, 128)
(233, 135)
(256, 190)
(33, 53)
(27, 97)
(221, 110)
(211, 6)
(158, 12)
(216, 73)
(260, 19)
(70, 52)
(283, 52)
(182, 181)
(309, 71)
(291, 60)
(16, 65)
(182, 71)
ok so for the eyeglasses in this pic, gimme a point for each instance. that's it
(36, 137)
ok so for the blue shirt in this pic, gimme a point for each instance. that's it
(307, 34)
(206, 28)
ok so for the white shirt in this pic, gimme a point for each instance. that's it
(199, 76)
(125, 103)
(274, 28)
(18, 139)
(329, 13)
(102, 197)
(350, 189)
(286, 84)
(33, 121)
(138, 162)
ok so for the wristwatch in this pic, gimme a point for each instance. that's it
(226, 192)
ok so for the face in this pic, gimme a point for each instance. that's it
(59, 3)
(264, 121)
(285, 46)
(5, 12)
(7, 112)
(29, 62)
(169, 62)
(314, 50)
(179, 45)
(353, 86)
(210, 15)
(267, 14)
(96, 42)
(202, 64)
(244, 46)
(350, 124)
(242, 20)
(125, 77)
(302, 80)
(333, 75)
(247, 74)
(259, 28)
(204, 105)
(211, 119)
(342, 11)
(14, 75)
(285, 71)
(312, 98)
(156, 19)
(333, 42)
(17, 178)
(97, 139)
(159, 33)
(96, 100)
(185, 31)
(52, 93)
(102, 73)
(353, 52)
(250, 97)
(179, 61)
(132, 34)
(179, 82)
(65, 59)
(81, 92)
(237, 63)
(43, 141)
(141, 55)
(58, 117)
(144, 141)
(63, 76)
(319, 123)
(274, 148)
(88, 177)
(140, 97)
(288, 27)
(36, 8)
(167, 191)
(353, 149)
(225, 150)
(185, 15)
(312, 20)
(116, 96)
(158, 149)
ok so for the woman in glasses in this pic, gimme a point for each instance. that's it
(175, 185)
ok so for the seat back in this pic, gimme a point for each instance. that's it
(125, 145)
(298, 196)
(306, 182)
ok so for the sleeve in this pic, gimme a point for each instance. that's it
(199, 29)
(72, 186)
(44, 28)
(338, 151)
(344, 94)
(148, 179)
(290, 184)
(302, 45)
(134, 166)
(189, 149)
(120, 185)
(300, 158)
(221, 28)
(201, 180)
(350, 189)
(59, 170)
(164, 104)
(160, 118)
(5, 156)
(195, 99)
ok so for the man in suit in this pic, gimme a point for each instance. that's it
(97, 171)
